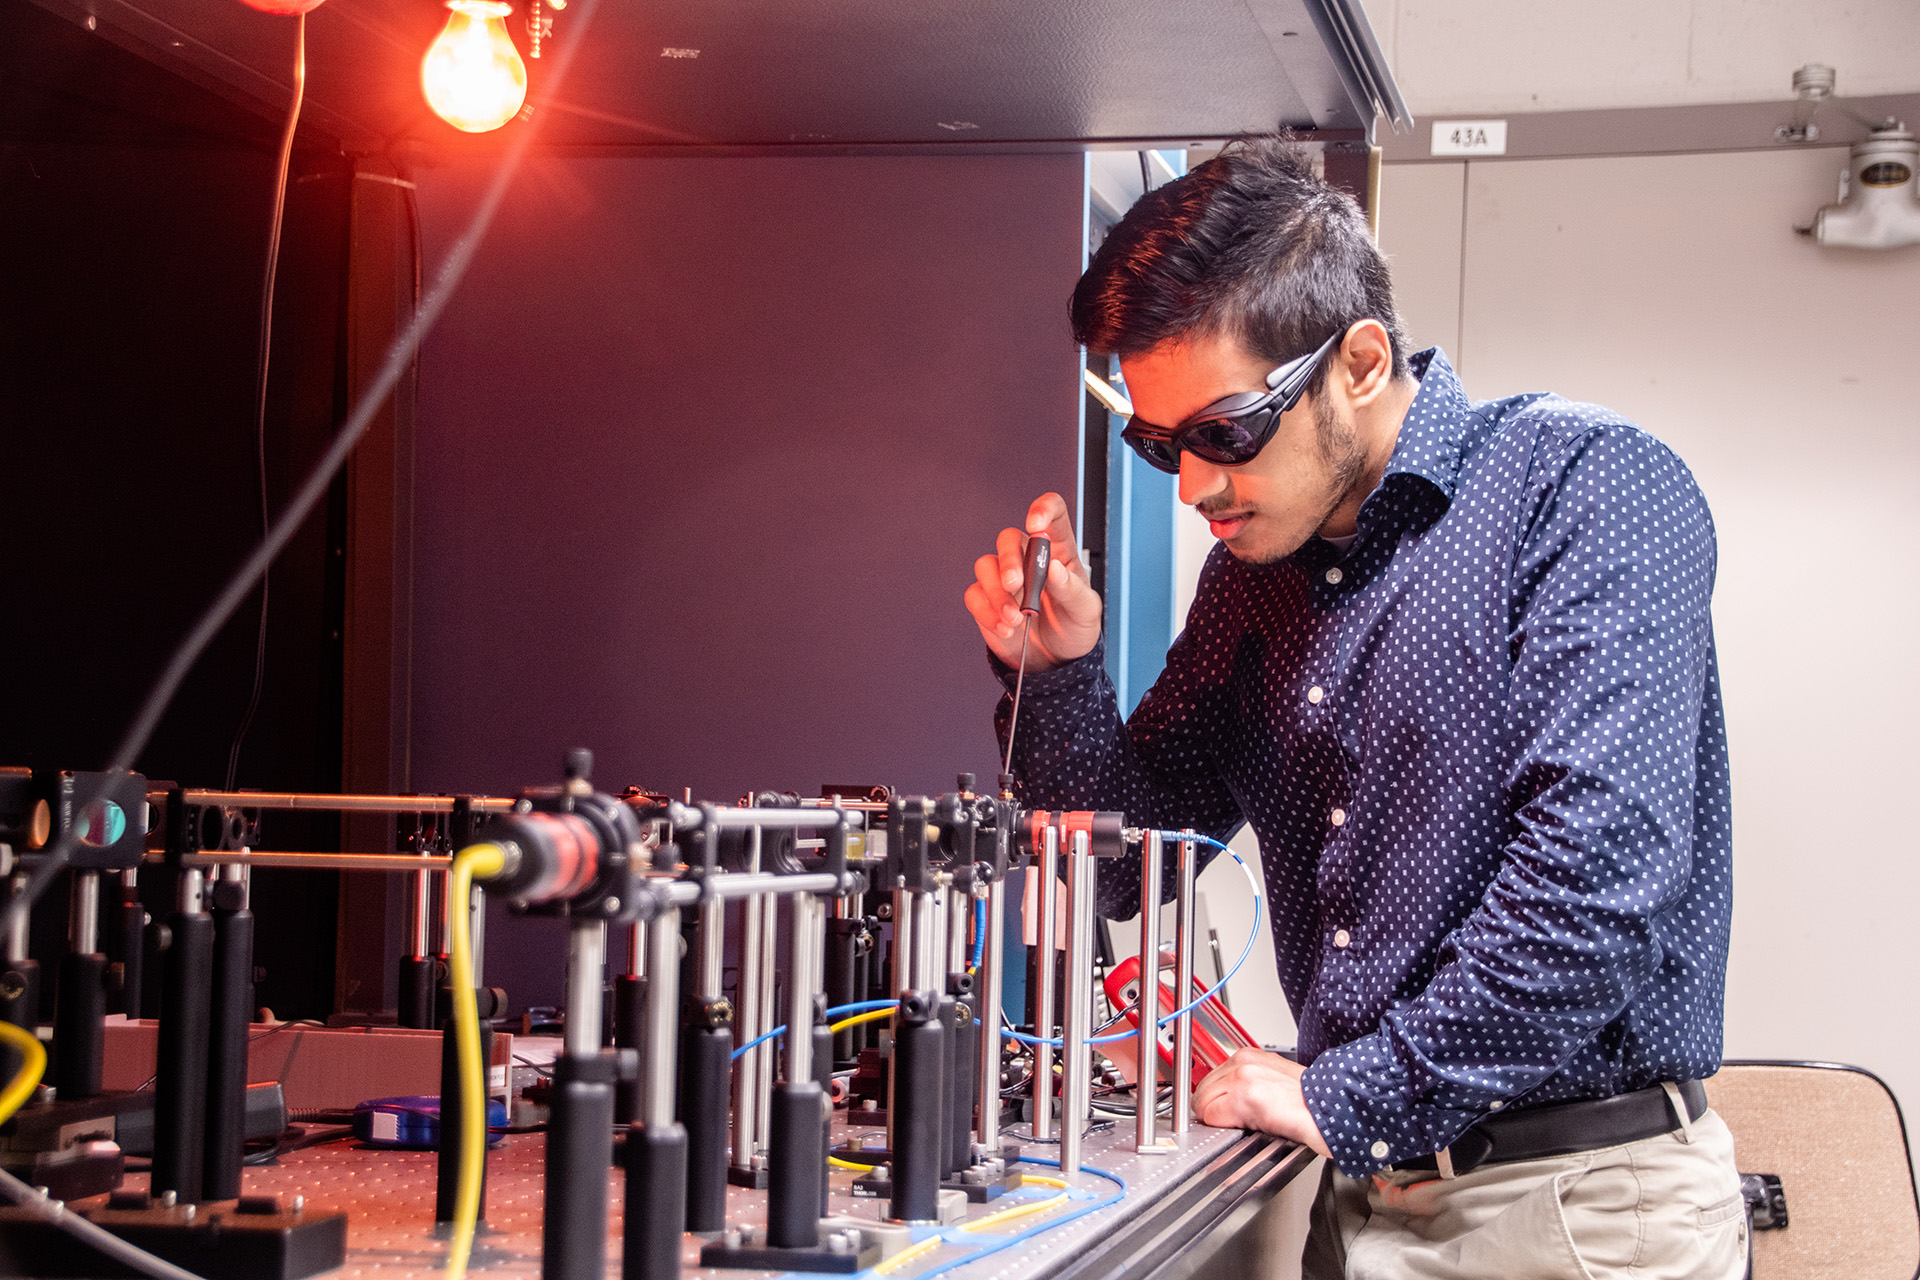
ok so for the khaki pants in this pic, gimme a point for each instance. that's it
(1659, 1209)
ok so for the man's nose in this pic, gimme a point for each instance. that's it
(1200, 479)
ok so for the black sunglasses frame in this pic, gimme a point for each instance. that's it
(1249, 415)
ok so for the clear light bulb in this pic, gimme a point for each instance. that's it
(472, 75)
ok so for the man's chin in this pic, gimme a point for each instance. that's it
(1256, 546)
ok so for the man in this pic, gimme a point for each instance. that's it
(1454, 665)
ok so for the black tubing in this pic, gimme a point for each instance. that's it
(656, 1202)
(417, 983)
(706, 1057)
(796, 1168)
(79, 1025)
(229, 1018)
(447, 1183)
(919, 1051)
(629, 1013)
(180, 1070)
(579, 1164)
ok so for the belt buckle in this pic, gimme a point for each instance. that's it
(1464, 1154)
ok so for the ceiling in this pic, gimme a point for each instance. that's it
(728, 75)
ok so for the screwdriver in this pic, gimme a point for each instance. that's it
(1033, 583)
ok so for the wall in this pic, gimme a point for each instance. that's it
(1470, 56)
(706, 451)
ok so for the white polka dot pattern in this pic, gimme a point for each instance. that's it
(1484, 755)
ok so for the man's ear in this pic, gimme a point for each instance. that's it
(1367, 361)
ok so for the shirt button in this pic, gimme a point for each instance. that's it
(1315, 694)
(1341, 938)
(1339, 817)
(1495, 1105)
(1334, 575)
(1379, 1150)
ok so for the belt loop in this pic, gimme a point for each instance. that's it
(1679, 1106)
(1443, 1161)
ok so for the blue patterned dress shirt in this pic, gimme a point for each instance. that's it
(1483, 752)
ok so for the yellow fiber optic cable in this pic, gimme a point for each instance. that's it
(933, 1242)
(33, 1064)
(908, 1254)
(871, 1015)
(838, 1163)
(481, 860)
(1021, 1211)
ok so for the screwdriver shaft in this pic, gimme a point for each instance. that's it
(1026, 630)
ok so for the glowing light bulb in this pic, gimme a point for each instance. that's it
(472, 75)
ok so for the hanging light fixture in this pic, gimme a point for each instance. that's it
(472, 75)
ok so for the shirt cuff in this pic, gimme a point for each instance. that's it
(1357, 1095)
(1077, 676)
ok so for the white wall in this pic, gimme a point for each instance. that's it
(1470, 56)
(1671, 289)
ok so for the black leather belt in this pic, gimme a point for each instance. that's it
(1562, 1129)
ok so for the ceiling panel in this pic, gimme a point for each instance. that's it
(806, 73)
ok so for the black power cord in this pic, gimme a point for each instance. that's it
(260, 380)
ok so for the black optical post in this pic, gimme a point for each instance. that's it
(919, 1038)
(656, 1148)
(19, 982)
(230, 1006)
(629, 1021)
(801, 1110)
(580, 1129)
(180, 1075)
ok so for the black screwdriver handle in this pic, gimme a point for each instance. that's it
(1034, 571)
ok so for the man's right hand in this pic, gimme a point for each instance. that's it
(1068, 624)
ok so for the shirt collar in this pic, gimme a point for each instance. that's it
(1435, 433)
(1418, 484)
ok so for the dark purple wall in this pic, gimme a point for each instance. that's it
(706, 451)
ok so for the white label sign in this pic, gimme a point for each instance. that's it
(1469, 138)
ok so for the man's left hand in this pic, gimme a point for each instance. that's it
(1258, 1090)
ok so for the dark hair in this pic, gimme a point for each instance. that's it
(1251, 244)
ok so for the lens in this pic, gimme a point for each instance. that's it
(1157, 453)
(1229, 441)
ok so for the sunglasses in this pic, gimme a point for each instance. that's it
(1232, 430)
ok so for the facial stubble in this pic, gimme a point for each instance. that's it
(1338, 443)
